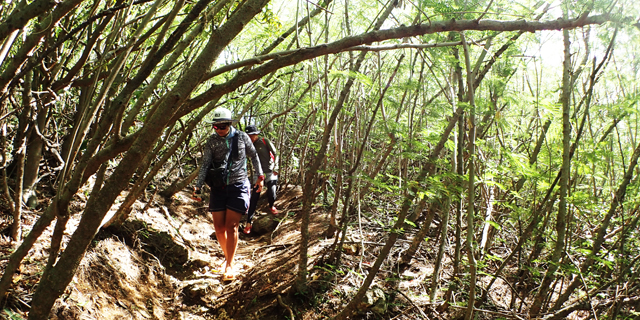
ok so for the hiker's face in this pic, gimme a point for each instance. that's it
(222, 129)
(253, 137)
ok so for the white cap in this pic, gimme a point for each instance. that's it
(221, 114)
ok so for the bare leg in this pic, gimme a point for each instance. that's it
(231, 225)
(219, 224)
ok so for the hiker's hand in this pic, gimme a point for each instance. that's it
(196, 193)
(259, 184)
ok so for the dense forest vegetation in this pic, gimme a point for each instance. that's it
(500, 137)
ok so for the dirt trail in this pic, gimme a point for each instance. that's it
(164, 264)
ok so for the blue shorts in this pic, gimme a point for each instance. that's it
(234, 196)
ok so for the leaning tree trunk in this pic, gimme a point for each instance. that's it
(178, 185)
(54, 280)
(144, 178)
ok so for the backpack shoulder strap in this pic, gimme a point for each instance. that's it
(268, 149)
(234, 146)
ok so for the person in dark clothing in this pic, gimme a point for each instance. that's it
(230, 201)
(268, 156)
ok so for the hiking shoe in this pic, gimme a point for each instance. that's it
(274, 210)
(247, 228)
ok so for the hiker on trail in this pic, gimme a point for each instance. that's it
(224, 169)
(269, 161)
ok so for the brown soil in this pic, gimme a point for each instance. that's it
(163, 264)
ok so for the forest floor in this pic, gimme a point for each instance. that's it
(163, 262)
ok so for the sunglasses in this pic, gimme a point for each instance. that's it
(221, 126)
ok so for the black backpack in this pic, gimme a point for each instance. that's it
(218, 173)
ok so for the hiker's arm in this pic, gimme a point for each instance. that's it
(207, 158)
(250, 151)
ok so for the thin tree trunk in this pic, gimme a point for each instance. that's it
(435, 153)
(618, 197)
(488, 217)
(444, 230)
(471, 184)
(418, 238)
(21, 153)
(301, 278)
(333, 225)
(16, 227)
(3, 169)
(178, 185)
(408, 200)
(541, 296)
(460, 166)
(356, 163)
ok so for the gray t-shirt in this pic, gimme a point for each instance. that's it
(217, 150)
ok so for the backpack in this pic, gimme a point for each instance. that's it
(273, 158)
(218, 173)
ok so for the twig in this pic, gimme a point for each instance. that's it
(485, 11)
(277, 227)
(412, 303)
(267, 246)
(584, 282)
(285, 306)
(169, 219)
(22, 301)
(403, 313)
(512, 315)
